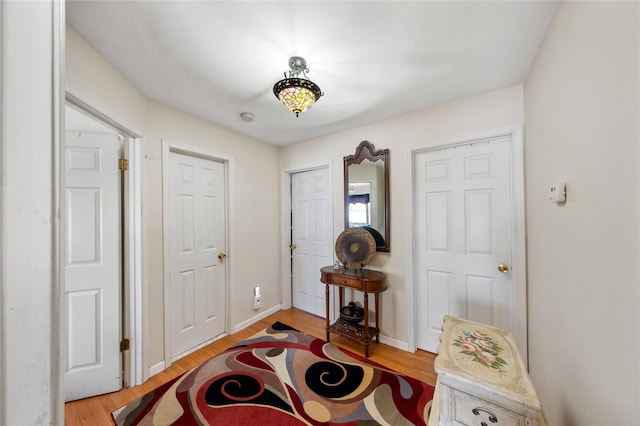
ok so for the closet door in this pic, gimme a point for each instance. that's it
(311, 237)
(92, 265)
(464, 237)
(197, 251)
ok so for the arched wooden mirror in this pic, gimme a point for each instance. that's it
(366, 192)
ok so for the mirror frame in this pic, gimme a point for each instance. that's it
(366, 151)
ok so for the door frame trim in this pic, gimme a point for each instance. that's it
(168, 147)
(519, 296)
(131, 310)
(285, 179)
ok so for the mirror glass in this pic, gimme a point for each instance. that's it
(366, 192)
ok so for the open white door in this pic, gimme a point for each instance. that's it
(92, 265)
(311, 237)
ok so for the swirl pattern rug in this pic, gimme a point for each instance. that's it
(282, 376)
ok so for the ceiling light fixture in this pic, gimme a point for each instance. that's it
(296, 92)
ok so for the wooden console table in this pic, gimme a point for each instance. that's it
(367, 282)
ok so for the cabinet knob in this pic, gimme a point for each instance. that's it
(492, 417)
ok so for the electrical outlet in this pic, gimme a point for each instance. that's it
(558, 192)
(256, 301)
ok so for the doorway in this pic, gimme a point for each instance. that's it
(100, 226)
(468, 249)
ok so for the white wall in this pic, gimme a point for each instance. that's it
(581, 104)
(497, 110)
(254, 239)
(29, 334)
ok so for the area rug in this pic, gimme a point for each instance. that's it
(282, 376)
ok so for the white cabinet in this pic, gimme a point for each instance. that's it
(481, 379)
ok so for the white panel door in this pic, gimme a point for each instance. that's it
(198, 276)
(92, 265)
(311, 237)
(464, 231)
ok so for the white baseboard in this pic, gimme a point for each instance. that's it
(257, 318)
(159, 367)
(395, 343)
(155, 369)
(198, 347)
(399, 344)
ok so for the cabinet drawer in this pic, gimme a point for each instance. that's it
(346, 281)
(364, 280)
(471, 411)
(350, 282)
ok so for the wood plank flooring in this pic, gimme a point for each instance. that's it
(97, 410)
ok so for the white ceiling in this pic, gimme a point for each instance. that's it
(372, 59)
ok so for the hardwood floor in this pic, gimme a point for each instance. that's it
(97, 410)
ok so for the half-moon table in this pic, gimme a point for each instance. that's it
(362, 280)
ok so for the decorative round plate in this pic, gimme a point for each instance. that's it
(355, 248)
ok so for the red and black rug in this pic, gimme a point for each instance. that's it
(282, 376)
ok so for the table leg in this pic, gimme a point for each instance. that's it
(326, 298)
(366, 325)
(377, 303)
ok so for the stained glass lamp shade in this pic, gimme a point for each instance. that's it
(296, 92)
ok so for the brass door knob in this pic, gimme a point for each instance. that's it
(503, 268)
(221, 255)
(293, 246)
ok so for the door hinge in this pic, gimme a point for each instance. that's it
(124, 345)
(123, 164)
